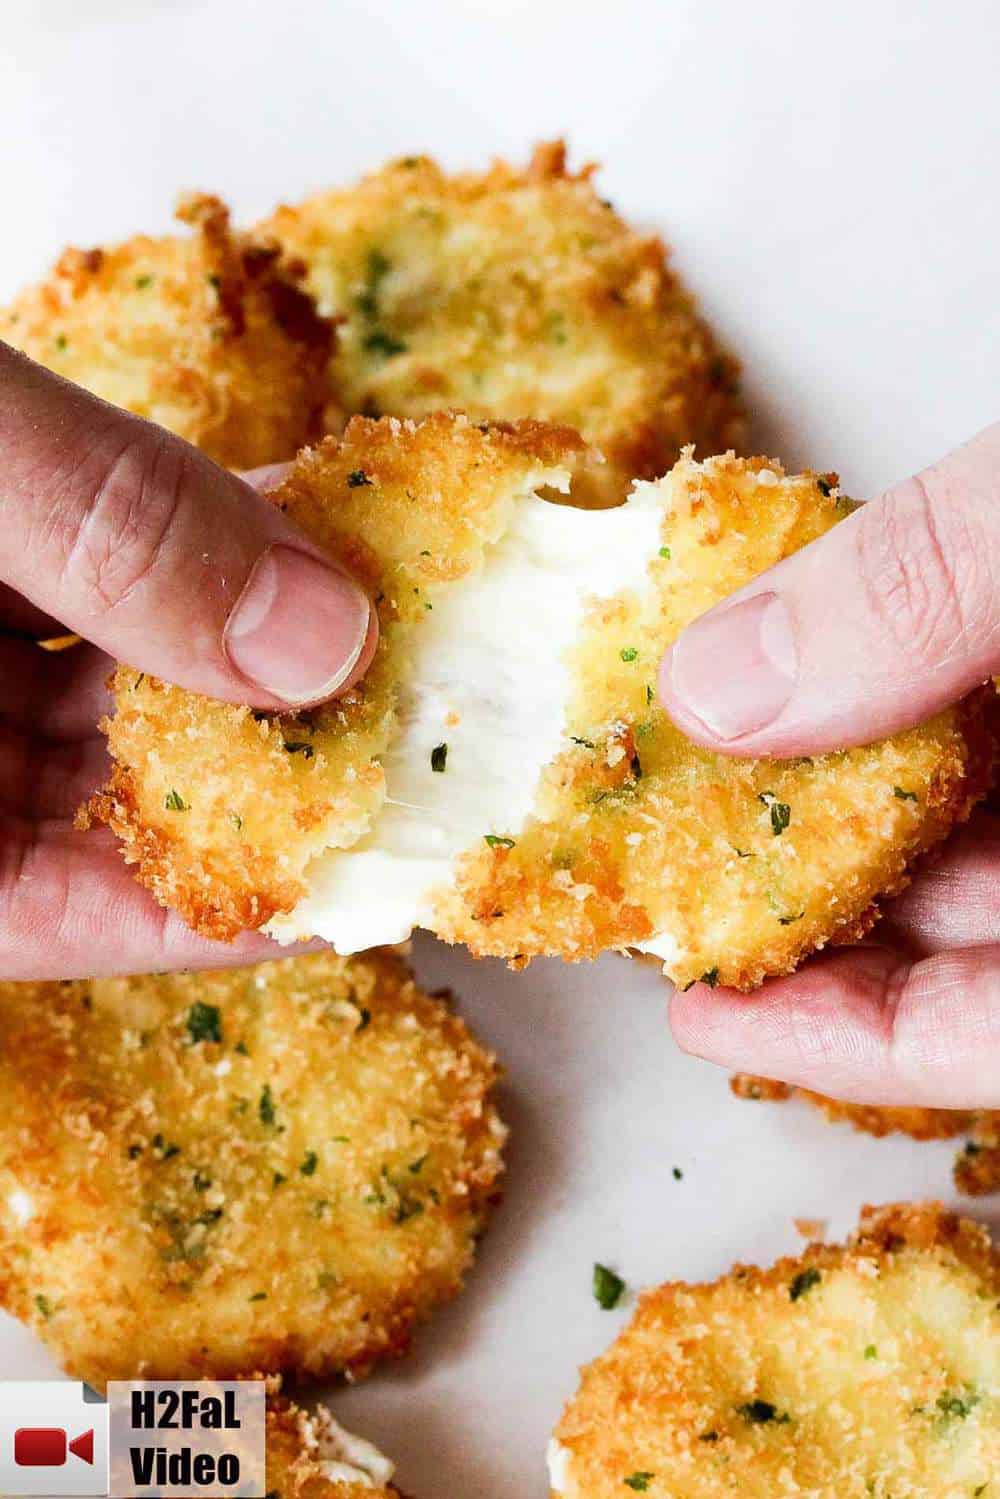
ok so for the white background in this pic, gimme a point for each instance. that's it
(828, 177)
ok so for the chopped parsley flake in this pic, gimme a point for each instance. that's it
(265, 1107)
(141, 282)
(871, 1352)
(790, 920)
(781, 812)
(639, 1481)
(439, 757)
(904, 796)
(607, 1287)
(44, 1305)
(380, 342)
(204, 1022)
(629, 653)
(957, 1407)
(678, 1174)
(278, 1178)
(649, 695)
(357, 479)
(236, 820)
(803, 1282)
(62, 342)
(258, 1296)
(665, 553)
(759, 1412)
(309, 1163)
(165, 1149)
(174, 802)
(584, 743)
(415, 1167)
(200, 1182)
(300, 747)
(494, 840)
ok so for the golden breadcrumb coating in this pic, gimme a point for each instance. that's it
(202, 334)
(299, 1445)
(739, 867)
(977, 1167)
(866, 1370)
(514, 293)
(282, 1167)
(223, 808)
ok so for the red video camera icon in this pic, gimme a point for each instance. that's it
(47, 1446)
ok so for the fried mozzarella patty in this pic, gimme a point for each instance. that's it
(282, 1167)
(977, 1166)
(869, 1369)
(203, 334)
(311, 1456)
(514, 293)
(503, 775)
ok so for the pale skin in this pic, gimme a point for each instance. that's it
(116, 531)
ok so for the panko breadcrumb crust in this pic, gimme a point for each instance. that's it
(222, 808)
(514, 293)
(204, 335)
(283, 1167)
(295, 1467)
(977, 1166)
(866, 1370)
(746, 865)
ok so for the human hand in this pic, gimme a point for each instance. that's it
(112, 529)
(891, 616)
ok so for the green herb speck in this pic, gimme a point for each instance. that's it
(439, 757)
(904, 796)
(760, 1412)
(639, 1481)
(781, 812)
(494, 840)
(607, 1287)
(357, 478)
(265, 1106)
(174, 802)
(665, 553)
(44, 1305)
(204, 1022)
(300, 747)
(629, 653)
(803, 1282)
(309, 1163)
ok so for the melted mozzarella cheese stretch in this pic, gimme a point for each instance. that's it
(350, 1459)
(487, 677)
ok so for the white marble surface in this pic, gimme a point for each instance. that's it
(827, 176)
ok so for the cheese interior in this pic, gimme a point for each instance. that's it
(484, 694)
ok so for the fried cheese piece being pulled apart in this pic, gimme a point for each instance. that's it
(503, 775)
(867, 1369)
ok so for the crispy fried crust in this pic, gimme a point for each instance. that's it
(514, 293)
(294, 1195)
(408, 508)
(977, 1167)
(870, 1369)
(746, 866)
(204, 335)
(295, 1457)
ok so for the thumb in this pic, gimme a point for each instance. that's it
(141, 544)
(892, 615)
